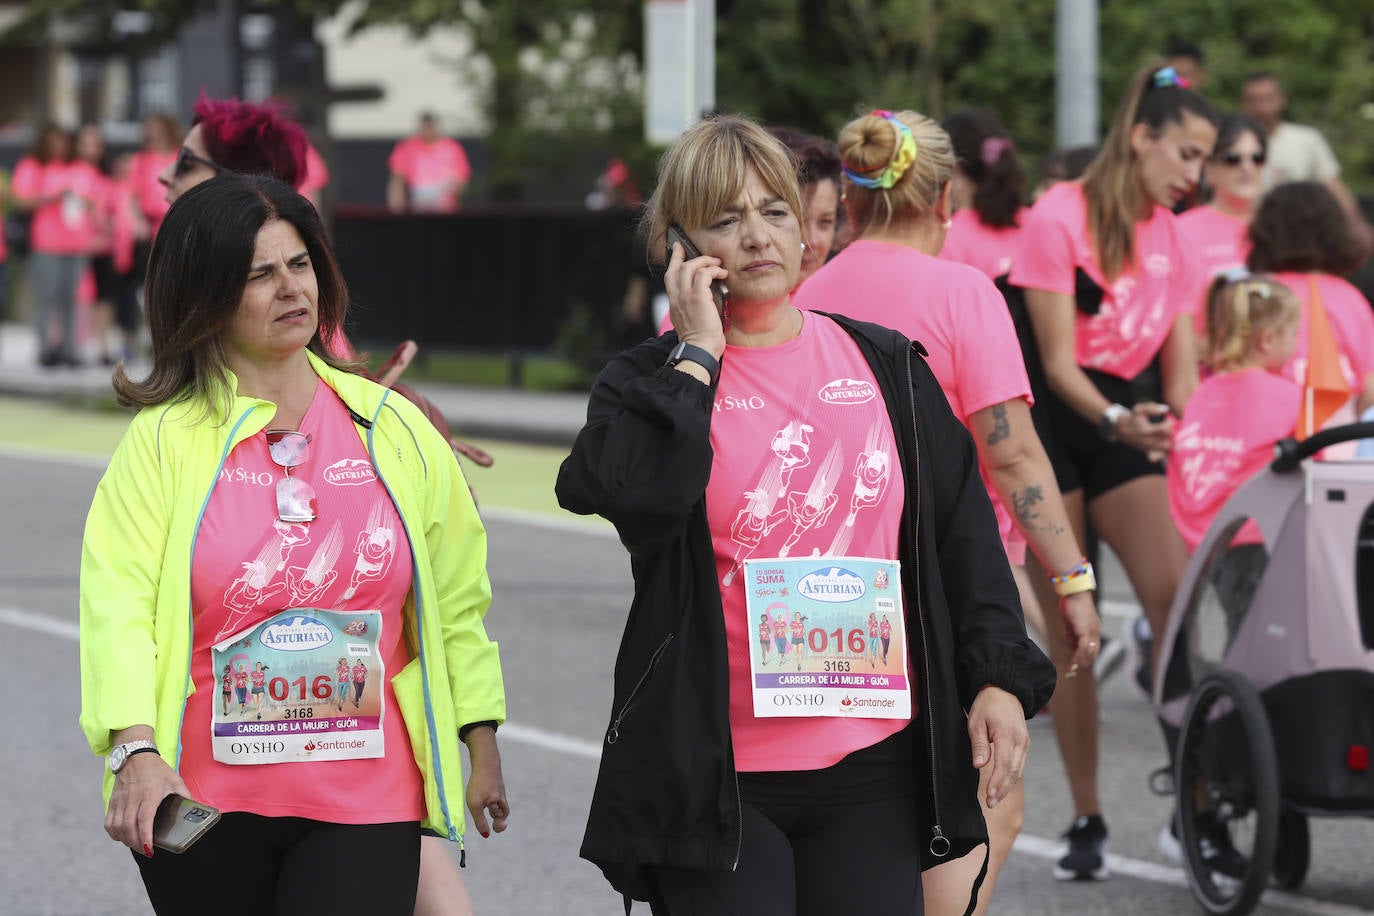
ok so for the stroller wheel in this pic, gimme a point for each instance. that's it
(1228, 794)
(1293, 853)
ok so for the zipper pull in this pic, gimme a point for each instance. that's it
(939, 843)
(462, 854)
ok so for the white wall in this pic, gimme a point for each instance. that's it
(434, 73)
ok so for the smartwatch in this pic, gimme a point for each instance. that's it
(696, 355)
(120, 753)
(1106, 424)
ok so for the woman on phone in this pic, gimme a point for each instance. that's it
(1114, 231)
(701, 806)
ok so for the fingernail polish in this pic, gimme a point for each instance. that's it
(485, 834)
(147, 850)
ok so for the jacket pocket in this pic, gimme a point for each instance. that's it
(613, 733)
(409, 689)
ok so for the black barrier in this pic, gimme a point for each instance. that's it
(485, 279)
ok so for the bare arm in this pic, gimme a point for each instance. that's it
(396, 193)
(1016, 463)
(1052, 316)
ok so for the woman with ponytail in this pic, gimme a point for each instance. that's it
(898, 171)
(989, 193)
(1113, 230)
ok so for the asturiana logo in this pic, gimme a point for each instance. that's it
(299, 634)
(350, 472)
(847, 391)
(833, 585)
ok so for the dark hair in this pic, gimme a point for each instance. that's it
(991, 162)
(816, 158)
(252, 139)
(197, 272)
(1184, 48)
(1232, 127)
(1111, 185)
(1300, 226)
(1259, 75)
(1066, 163)
(42, 138)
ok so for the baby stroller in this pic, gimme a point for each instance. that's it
(1265, 679)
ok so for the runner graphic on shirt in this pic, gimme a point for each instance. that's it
(872, 640)
(241, 687)
(259, 678)
(812, 508)
(765, 643)
(779, 628)
(375, 548)
(309, 582)
(256, 584)
(872, 469)
(792, 446)
(359, 680)
(798, 637)
(344, 678)
(226, 684)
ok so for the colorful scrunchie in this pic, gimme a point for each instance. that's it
(902, 158)
(1166, 77)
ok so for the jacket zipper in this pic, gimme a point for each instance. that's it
(613, 733)
(939, 843)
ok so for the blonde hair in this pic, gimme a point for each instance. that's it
(869, 144)
(1239, 309)
(1111, 183)
(704, 172)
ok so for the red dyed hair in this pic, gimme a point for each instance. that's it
(252, 139)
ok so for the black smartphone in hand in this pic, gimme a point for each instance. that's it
(180, 822)
(719, 291)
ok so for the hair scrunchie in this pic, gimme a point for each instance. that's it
(902, 157)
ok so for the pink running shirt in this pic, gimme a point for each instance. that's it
(972, 242)
(953, 311)
(149, 193)
(805, 463)
(316, 172)
(249, 566)
(1222, 243)
(428, 168)
(1138, 309)
(1220, 445)
(67, 225)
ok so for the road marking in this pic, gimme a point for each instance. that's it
(1053, 850)
(43, 623)
(553, 741)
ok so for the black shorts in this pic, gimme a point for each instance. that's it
(1081, 458)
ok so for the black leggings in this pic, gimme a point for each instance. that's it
(809, 860)
(287, 866)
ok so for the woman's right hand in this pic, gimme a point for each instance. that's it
(140, 786)
(1149, 427)
(690, 303)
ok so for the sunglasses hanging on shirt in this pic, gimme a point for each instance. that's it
(295, 498)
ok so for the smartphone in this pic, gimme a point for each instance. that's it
(180, 822)
(719, 290)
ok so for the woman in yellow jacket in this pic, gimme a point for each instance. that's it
(268, 505)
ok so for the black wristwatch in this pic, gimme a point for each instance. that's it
(697, 355)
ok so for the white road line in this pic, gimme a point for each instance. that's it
(1038, 847)
(43, 623)
(1053, 850)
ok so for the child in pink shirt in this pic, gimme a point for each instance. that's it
(1220, 444)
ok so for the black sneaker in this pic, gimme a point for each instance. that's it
(1219, 854)
(1086, 859)
(1140, 644)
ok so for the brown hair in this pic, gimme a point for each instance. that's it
(989, 158)
(1112, 183)
(197, 272)
(43, 140)
(868, 144)
(1300, 226)
(1238, 309)
(704, 172)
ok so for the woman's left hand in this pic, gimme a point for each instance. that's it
(486, 794)
(997, 729)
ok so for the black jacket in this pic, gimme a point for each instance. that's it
(666, 793)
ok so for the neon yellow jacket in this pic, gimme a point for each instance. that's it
(136, 621)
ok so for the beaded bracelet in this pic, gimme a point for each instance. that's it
(1079, 579)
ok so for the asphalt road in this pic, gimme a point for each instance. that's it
(561, 593)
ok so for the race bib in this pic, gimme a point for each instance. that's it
(838, 637)
(304, 685)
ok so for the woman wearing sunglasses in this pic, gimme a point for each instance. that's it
(246, 420)
(228, 135)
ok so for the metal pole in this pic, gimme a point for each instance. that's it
(1075, 79)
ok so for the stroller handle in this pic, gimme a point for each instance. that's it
(1289, 453)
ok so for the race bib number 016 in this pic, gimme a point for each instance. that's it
(303, 685)
(830, 637)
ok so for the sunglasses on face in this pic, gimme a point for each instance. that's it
(1235, 159)
(295, 498)
(186, 160)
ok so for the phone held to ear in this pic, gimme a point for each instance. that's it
(719, 291)
(180, 822)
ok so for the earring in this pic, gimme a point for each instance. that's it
(947, 224)
(803, 244)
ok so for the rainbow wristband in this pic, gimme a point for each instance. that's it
(1079, 579)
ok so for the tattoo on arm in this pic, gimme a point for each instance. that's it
(1001, 428)
(1024, 504)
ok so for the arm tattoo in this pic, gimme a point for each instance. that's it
(1001, 428)
(1024, 503)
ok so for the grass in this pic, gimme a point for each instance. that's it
(534, 372)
